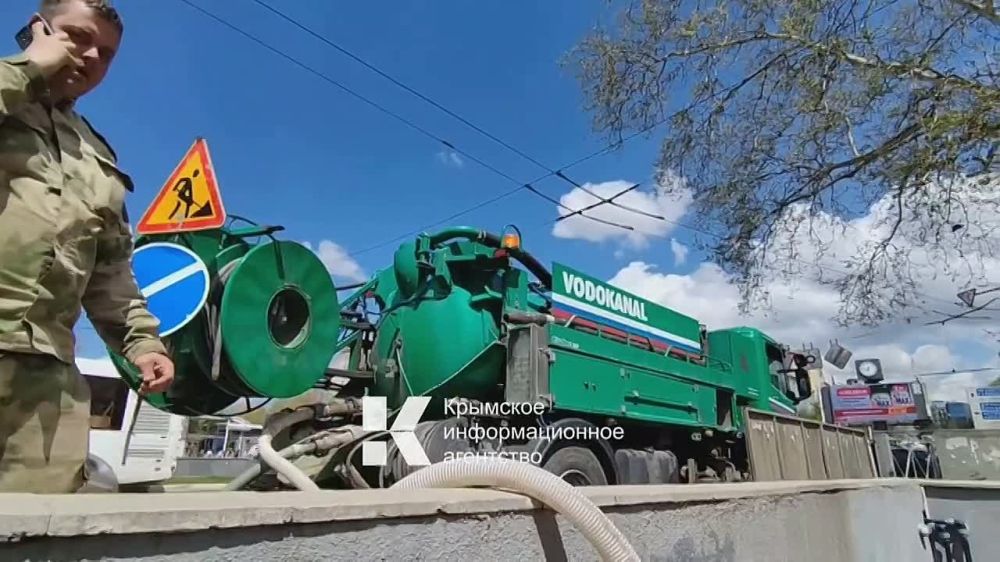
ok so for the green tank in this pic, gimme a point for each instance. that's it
(439, 333)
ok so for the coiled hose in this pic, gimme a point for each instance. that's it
(536, 482)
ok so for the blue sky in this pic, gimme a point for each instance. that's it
(291, 149)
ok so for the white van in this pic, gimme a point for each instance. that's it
(138, 442)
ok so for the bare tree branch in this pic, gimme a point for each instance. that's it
(985, 9)
(858, 106)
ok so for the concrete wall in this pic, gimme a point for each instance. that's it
(838, 521)
(968, 454)
(194, 466)
(975, 504)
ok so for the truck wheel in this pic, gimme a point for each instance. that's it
(576, 465)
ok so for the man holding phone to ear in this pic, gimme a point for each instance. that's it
(65, 247)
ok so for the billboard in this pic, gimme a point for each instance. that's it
(985, 404)
(893, 403)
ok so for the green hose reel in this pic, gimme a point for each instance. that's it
(269, 328)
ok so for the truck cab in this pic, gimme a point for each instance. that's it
(765, 374)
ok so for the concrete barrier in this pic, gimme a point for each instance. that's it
(968, 454)
(224, 468)
(977, 504)
(835, 520)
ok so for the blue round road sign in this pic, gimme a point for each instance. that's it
(174, 281)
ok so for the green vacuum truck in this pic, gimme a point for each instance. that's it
(466, 345)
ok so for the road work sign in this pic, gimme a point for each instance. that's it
(190, 200)
(174, 281)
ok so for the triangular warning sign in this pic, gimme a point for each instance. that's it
(968, 296)
(190, 200)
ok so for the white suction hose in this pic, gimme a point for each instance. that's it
(324, 441)
(493, 472)
(289, 452)
(537, 483)
(274, 459)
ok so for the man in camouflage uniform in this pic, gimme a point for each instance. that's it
(65, 247)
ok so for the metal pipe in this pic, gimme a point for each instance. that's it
(520, 317)
(529, 261)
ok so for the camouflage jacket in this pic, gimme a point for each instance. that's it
(65, 242)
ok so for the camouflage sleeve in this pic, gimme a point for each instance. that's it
(113, 300)
(20, 82)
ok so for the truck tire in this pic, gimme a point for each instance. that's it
(576, 465)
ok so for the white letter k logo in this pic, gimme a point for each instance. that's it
(373, 418)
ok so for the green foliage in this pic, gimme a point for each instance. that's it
(778, 111)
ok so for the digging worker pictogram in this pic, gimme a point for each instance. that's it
(185, 197)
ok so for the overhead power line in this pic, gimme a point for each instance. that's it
(558, 172)
(387, 111)
(957, 372)
(479, 129)
(601, 202)
(718, 237)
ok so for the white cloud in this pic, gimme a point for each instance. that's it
(337, 261)
(930, 361)
(669, 200)
(952, 388)
(96, 366)
(802, 311)
(680, 251)
(450, 158)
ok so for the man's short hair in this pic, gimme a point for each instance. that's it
(49, 8)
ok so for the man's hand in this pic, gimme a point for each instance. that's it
(51, 53)
(157, 372)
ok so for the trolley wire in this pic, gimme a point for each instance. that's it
(409, 123)
(557, 172)
(479, 129)
(719, 237)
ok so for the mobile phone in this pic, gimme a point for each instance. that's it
(24, 36)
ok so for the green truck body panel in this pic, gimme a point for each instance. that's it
(579, 293)
(445, 306)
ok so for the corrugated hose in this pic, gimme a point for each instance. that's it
(535, 482)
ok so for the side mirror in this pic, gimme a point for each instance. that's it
(803, 383)
(803, 387)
